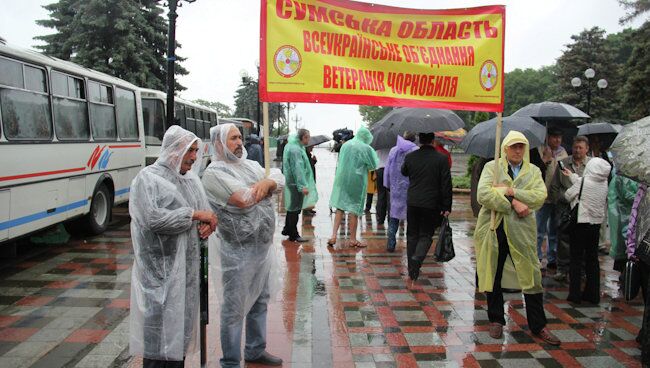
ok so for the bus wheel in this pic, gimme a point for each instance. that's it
(100, 211)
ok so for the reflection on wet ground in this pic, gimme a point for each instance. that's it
(67, 305)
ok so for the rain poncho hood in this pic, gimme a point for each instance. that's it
(298, 175)
(620, 197)
(397, 183)
(165, 276)
(522, 268)
(593, 201)
(356, 158)
(242, 256)
(219, 149)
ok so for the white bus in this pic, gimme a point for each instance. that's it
(196, 118)
(71, 141)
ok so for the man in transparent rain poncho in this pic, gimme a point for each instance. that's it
(244, 263)
(169, 215)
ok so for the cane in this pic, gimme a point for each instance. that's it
(204, 300)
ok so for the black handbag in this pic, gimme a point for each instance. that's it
(569, 218)
(445, 245)
(631, 280)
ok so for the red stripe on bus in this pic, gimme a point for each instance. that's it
(45, 173)
(127, 146)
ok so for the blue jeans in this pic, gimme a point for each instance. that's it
(393, 225)
(255, 332)
(547, 222)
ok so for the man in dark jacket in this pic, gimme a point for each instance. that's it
(428, 199)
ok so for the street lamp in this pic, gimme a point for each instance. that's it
(576, 82)
(171, 57)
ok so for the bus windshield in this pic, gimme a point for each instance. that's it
(153, 113)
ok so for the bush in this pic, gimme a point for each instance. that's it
(461, 182)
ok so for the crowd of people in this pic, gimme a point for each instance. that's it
(521, 201)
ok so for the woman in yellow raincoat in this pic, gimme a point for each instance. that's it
(506, 251)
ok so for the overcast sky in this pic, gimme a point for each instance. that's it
(220, 38)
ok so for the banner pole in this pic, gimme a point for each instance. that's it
(267, 158)
(497, 169)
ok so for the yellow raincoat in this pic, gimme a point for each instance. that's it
(522, 268)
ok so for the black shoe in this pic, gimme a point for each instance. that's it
(390, 250)
(299, 240)
(414, 270)
(284, 232)
(266, 359)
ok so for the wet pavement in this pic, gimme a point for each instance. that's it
(68, 305)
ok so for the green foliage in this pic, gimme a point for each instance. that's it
(634, 9)
(124, 38)
(636, 91)
(461, 182)
(372, 114)
(523, 87)
(223, 110)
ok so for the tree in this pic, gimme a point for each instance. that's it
(589, 50)
(636, 91)
(223, 110)
(523, 87)
(372, 114)
(635, 8)
(124, 38)
(247, 104)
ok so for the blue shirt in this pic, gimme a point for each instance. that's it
(515, 169)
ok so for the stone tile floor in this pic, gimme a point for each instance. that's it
(67, 306)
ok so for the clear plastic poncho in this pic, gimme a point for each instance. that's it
(522, 268)
(165, 276)
(356, 158)
(243, 260)
(298, 175)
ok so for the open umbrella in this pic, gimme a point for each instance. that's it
(415, 120)
(604, 132)
(551, 111)
(318, 139)
(631, 150)
(481, 140)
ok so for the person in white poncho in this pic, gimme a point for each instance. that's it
(170, 213)
(241, 196)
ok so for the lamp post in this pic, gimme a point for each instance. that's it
(171, 57)
(576, 82)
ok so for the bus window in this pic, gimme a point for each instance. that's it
(180, 115)
(25, 114)
(154, 117)
(206, 127)
(191, 125)
(102, 111)
(70, 111)
(35, 79)
(127, 121)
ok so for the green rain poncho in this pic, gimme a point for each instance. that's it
(619, 202)
(522, 268)
(298, 175)
(355, 160)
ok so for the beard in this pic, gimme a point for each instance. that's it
(238, 152)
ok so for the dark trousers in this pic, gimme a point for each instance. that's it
(534, 302)
(382, 197)
(584, 247)
(563, 257)
(421, 223)
(291, 220)
(151, 363)
(369, 201)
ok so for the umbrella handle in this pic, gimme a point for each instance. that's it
(497, 152)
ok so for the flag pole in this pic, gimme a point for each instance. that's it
(267, 157)
(497, 169)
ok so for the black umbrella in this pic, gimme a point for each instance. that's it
(481, 139)
(318, 139)
(631, 150)
(415, 120)
(551, 111)
(604, 132)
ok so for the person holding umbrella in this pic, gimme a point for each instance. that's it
(509, 239)
(428, 199)
(356, 158)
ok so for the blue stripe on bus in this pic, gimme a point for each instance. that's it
(40, 215)
(122, 191)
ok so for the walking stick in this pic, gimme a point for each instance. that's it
(204, 301)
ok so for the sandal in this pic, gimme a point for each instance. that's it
(331, 242)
